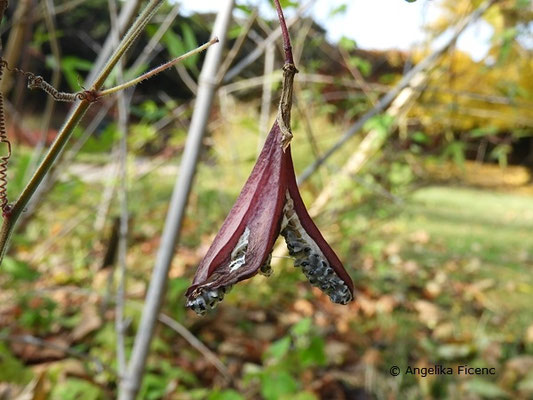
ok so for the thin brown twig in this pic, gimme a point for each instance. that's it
(285, 34)
(289, 70)
(354, 71)
(197, 344)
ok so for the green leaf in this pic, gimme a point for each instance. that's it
(381, 123)
(456, 152)
(501, 153)
(288, 3)
(71, 66)
(364, 66)
(153, 387)
(485, 131)
(225, 395)
(277, 384)
(347, 43)
(244, 8)
(278, 349)
(11, 369)
(174, 43)
(314, 354)
(302, 327)
(140, 135)
(420, 137)
(19, 269)
(176, 288)
(339, 10)
(101, 141)
(76, 389)
(235, 31)
(190, 43)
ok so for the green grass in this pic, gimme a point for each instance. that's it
(476, 248)
(493, 226)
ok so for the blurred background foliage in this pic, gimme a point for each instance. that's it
(435, 229)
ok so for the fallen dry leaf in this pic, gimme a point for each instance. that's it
(90, 322)
(520, 364)
(304, 306)
(336, 352)
(428, 313)
(51, 350)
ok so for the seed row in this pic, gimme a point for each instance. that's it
(307, 255)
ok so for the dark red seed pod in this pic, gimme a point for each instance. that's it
(269, 203)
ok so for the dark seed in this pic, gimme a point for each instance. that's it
(266, 270)
(199, 305)
(314, 259)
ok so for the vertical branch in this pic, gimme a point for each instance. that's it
(130, 385)
(120, 297)
(123, 236)
(289, 70)
(285, 34)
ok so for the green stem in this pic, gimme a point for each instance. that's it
(156, 70)
(11, 216)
